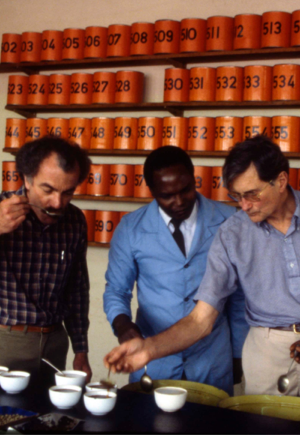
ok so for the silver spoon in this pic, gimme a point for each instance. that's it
(50, 364)
(146, 382)
(49, 213)
(283, 380)
(107, 383)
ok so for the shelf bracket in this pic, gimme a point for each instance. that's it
(174, 111)
(177, 63)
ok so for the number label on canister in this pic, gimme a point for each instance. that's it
(253, 130)
(144, 131)
(10, 132)
(188, 34)
(122, 86)
(270, 27)
(100, 226)
(10, 47)
(253, 82)
(71, 43)
(33, 132)
(226, 82)
(55, 88)
(282, 81)
(10, 176)
(198, 182)
(137, 37)
(15, 89)
(46, 44)
(77, 88)
(238, 31)
(169, 132)
(217, 182)
(213, 32)
(113, 38)
(224, 132)
(280, 132)
(98, 132)
(161, 36)
(197, 133)
(171, 84)
(100, 86)
(26, 46)
(196, 83)
(77, 132)
(138, 179)
(92, 41)
(118, 179)
(34, 89)
(94, 178)
(122, 132)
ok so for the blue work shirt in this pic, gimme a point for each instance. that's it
(264, 261)
(144, 250)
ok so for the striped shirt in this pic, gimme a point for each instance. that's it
(43, 274)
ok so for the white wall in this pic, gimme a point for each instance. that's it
(17, 16)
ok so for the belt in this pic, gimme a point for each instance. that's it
(291, 328)
(32, 328)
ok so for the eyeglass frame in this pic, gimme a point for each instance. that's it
(255, 196)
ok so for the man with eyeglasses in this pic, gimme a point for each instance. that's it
(259, 248)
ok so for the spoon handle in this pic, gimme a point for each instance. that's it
(50, 364)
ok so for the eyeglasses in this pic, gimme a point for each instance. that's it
(249, 196)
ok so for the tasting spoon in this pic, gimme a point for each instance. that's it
(50, 364)
(49, 213)
(146, 382)
(283, 380)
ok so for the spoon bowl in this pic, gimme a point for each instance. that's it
(146, 382)
(283, 380)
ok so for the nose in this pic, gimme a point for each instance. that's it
(245, 204)
(56, 200)
(179, 200)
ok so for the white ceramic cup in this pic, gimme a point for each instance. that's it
(170, 399)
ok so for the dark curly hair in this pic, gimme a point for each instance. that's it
(32, 154)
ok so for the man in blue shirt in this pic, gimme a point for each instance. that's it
(259, 248)
(144, 251)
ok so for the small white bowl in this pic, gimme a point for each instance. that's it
(99, 403)
(65, 396)
(3, 369)
(98, 387)
(71, 377)
(13, 382)
(170, 399)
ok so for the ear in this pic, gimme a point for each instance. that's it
(27, 182)
(283, 179)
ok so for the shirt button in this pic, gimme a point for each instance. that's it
(186, 266)
(292, 265)
(186, 299)
(184, 359)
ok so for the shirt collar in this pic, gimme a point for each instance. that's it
(189, 222)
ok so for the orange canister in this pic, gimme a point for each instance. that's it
(192, 35)
(142, 39)
(295, 29)
(176, 86)
(59, 89)
(52, 44)
(31, 47)
(80, 131)
(121, 180)
(15, 132)
(11, 48)
(203, 180)
(247, 29)
(175, 131)
(201, 134)
(275, 29)
(229, 83)
(58, 127)
(104, 87)
(298, 180)
(286, 82)
(166, 36)
(293, 178)
(125, 133)
(140, 190)
(105, 225)
(73, 44)
(95, 42)
(129, 87)
(118, 40)
(90, 221)
(257, 83)
(102, 133)
(218, 191)
(149, 133)
(254, 125)
(81, 88)
(17, 91)
(11, 179)
(38, 89)
(219, 33)
(98, 180)
(202, 84)
(122, 213)
(81, 188)
(286, 132)
(35, 129)
(228, 131)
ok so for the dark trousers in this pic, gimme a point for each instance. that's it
(24, 350)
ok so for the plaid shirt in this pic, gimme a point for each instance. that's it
(43, 274)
